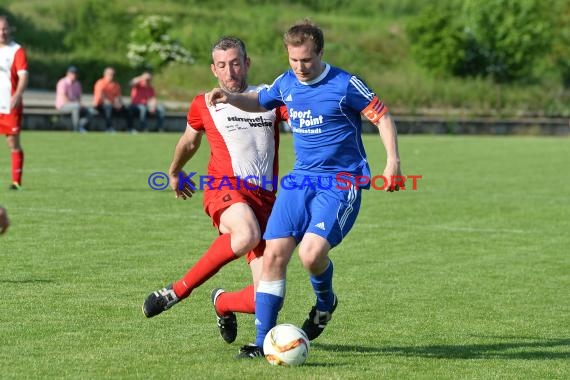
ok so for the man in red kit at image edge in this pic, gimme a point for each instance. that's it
(13, 82)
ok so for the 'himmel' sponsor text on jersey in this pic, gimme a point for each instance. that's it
(325, 118)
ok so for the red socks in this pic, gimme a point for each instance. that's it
(219, 254)
(241, 301)
(17, 166)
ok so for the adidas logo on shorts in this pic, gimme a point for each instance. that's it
(320, 226)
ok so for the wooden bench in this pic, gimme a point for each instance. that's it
(41, 118)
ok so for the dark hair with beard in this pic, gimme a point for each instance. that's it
(228, 42)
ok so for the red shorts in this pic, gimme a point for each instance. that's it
(10, 123)
(261, 201)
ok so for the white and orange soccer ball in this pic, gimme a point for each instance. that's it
(286, 345)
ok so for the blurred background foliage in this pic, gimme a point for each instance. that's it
(501, 39)
(507, 57)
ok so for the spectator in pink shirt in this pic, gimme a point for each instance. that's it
(143, 101)
(68, 100)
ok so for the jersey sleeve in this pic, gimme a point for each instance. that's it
(270, 97)
(282, 114)
(362, 99)
(20, 60)
(194, 116)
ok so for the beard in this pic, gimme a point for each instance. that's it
(234, 86)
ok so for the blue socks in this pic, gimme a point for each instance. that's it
(322, 285)
(270, 295)
(268, 301)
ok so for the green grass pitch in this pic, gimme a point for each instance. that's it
(466, 277)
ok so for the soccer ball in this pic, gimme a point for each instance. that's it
(286, 345)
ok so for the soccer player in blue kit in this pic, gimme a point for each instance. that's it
(325, 105)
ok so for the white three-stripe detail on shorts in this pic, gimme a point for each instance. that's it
(349, 209)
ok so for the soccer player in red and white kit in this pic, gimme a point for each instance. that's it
(242, 144)
(13, 82)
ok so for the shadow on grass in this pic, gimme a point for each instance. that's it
(527, 349)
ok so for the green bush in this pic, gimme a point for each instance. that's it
(510, 35)
(438, 40)
(561, 41)
(151, 47)
(501, 39)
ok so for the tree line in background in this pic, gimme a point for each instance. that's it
(502, 39)
(480, 54)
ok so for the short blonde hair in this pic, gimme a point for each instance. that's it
(302, 31)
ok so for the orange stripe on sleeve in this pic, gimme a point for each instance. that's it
(375, 110)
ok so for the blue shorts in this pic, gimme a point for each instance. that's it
(313, 204)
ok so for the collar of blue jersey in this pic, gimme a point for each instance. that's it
(320, 77)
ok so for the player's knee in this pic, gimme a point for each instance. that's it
(309, 264)
(245, 240)
(313, 260)
(13, 143)
(275, 259)
(313, 253)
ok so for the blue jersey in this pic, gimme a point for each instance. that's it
(325, 118)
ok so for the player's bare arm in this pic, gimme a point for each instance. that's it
(389, 136)
(18, 94)
(135, 80)
(185, 149)
(247, 101)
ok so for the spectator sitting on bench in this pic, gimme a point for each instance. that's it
(68, 100)
(107, 100)
(144, 103)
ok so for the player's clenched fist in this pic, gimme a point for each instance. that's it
(4, 221)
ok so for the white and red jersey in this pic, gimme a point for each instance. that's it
(13, 61)
(242, 144)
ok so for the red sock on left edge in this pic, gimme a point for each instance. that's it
(17, 166)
